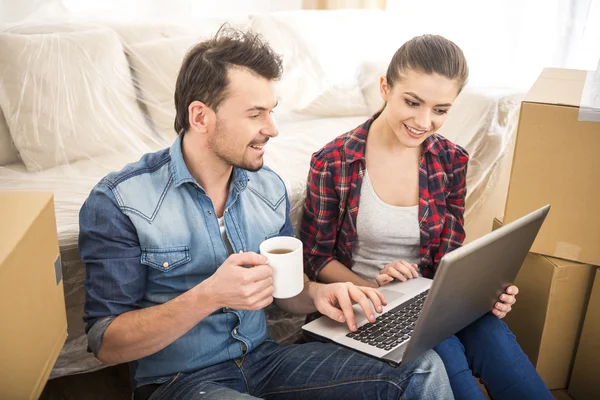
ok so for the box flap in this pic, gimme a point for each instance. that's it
(18, 210)
(558, 86)
(561, 263)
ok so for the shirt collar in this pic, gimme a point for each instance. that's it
(356, 144)
(181, 174)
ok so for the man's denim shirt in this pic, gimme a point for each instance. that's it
(149, 233)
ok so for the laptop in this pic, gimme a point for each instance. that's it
(421, 312)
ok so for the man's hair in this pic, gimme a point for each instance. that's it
(203, 73)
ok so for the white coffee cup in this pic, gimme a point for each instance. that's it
(284, 255)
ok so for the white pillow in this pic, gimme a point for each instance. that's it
(308, 86)
(8, 151)
(68, 96)
(133, 32)
(156, 65)
(323, 52)
(368, 81)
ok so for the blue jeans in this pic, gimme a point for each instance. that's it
(488, 350)
(313, 371)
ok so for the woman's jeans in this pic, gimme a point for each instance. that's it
(487, 349)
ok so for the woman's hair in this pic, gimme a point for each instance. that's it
(429, 54)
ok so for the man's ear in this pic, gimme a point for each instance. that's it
(200, 116)
(384, 89)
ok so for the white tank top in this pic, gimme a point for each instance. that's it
(385, 234)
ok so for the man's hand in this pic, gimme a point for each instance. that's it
(240, 288)
(335, 300)
(507, 299)
(400, 270)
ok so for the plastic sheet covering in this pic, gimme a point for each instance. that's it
(589, 110)
(82, 100)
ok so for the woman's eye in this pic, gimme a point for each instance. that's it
(441, 112)
(411, 103)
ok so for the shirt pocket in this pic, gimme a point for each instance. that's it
(166, 259)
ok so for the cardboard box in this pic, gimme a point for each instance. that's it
(34, 326)
(555, 162)
(549, 313)
(585, 384)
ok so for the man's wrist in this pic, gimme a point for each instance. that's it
(311, 288)
(203, 294)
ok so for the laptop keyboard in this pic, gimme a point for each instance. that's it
(392, 327)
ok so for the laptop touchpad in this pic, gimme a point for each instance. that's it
(391, 295)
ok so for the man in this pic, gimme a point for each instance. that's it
(174, 285)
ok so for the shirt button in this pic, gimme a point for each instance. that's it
(235, 331)
(209, 212)
(165, 265)
(226, 210)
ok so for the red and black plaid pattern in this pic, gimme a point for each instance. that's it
(335, 178)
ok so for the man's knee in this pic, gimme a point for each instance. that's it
(429, 362)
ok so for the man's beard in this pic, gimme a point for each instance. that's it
(219, 147)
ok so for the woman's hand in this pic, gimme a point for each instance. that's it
(507, 299)
(400, 270)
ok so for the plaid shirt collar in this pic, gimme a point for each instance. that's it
(354, 148)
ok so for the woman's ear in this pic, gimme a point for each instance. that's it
(384, 89)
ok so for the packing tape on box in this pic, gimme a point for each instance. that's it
(567, 250)
(58, 269)
(589, 108)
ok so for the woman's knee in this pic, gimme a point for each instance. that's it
(451, 346)
(488, 329)
(452, 353)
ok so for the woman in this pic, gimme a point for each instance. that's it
(386, 201)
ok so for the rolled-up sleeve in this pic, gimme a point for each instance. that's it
(453, 231)
(110, 250)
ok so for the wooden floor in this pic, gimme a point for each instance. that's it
(113, 384)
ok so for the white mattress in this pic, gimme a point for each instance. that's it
(289, 154)
(71, 184)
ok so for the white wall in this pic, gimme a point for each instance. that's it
(508, 42)
(19, 10)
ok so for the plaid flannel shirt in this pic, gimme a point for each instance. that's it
(328, 228)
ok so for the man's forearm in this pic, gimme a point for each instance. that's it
(302, 303)
(140, 333)
(335, 271)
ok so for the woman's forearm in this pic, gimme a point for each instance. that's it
(335, 271)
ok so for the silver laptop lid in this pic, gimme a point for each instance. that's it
(469, 281)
